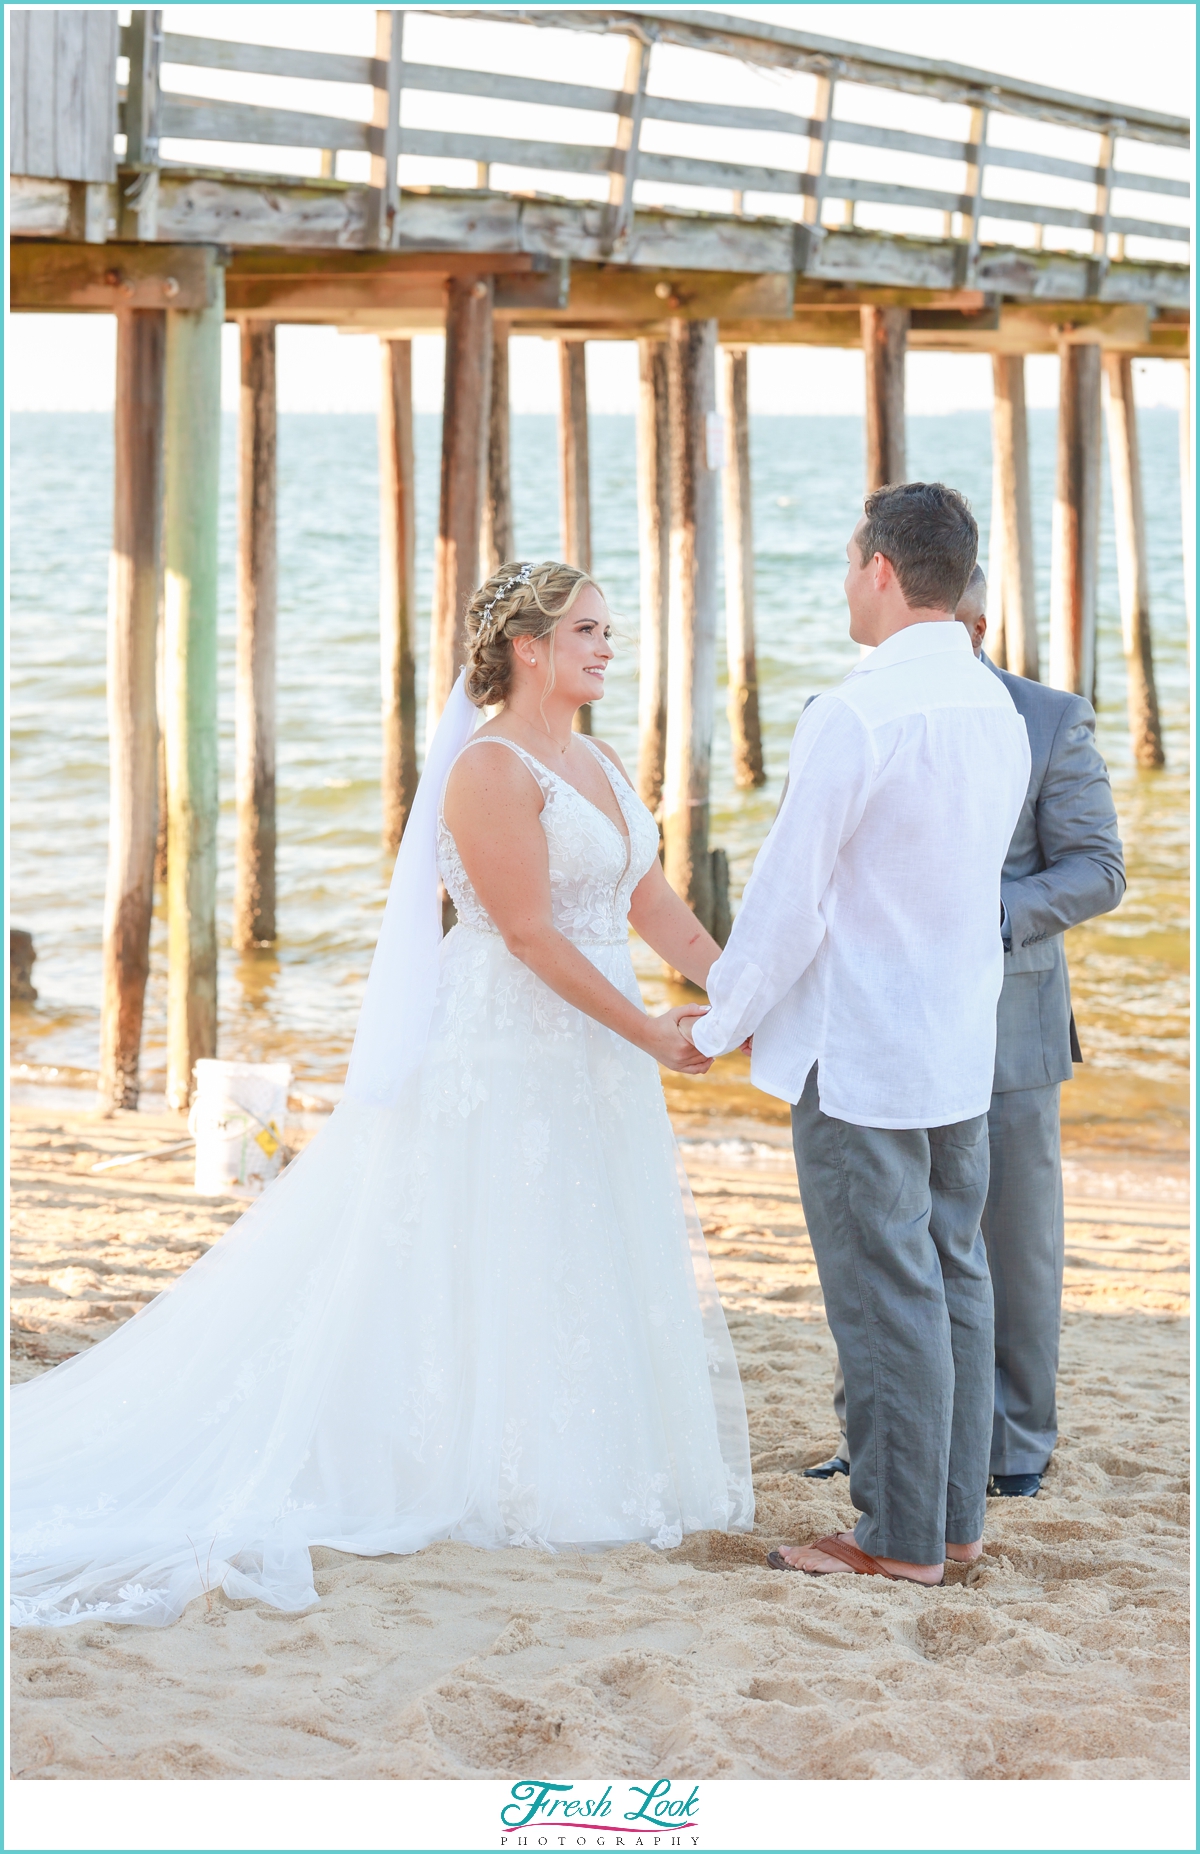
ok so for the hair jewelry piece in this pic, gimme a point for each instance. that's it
(486, 622)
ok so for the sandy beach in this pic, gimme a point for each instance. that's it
(1062, 1655)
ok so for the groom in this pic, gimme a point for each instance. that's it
(866, 963)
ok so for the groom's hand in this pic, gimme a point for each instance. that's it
(667, 1040)
(685, 1016)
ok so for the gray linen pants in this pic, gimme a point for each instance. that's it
(894, 1220)
(1023, 1230)
(1023, 1233)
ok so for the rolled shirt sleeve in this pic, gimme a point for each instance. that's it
(781, 922)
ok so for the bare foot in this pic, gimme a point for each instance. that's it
(807, 1558)
(964, 1554)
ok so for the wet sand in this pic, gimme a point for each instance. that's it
(1062, 1655)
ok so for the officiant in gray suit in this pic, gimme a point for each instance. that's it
(1064, 866)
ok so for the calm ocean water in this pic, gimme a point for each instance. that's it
(299, 1001)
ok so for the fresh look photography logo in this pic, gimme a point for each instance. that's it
(661, 1814)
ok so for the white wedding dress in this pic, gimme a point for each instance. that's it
(481, 1311)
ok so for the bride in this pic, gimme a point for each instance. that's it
(478, 1306)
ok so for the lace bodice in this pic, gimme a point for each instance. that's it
(593, 870)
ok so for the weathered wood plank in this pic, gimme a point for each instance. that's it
(1075, 533)
(264, 60)
(70, 106)
(41, 80)
(199, 119)
(18, 82)
(744, 729)
(625, 162)
(691, 669)
(512, 151)
(884, 339)
(81, 276)
(135, 581)
(384, 202)
(142, 42)
(465, 406)
(254, 693)
(219, 209)
(1133, 567)
(397, 588)
(100, 95)
(38, 208)
(654, 555)
(191, 481)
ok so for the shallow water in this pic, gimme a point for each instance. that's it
(299, 1001)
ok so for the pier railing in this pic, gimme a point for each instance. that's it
(961, 172)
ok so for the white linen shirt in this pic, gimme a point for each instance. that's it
(868, 939)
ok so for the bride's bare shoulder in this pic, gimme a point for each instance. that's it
(485, 773)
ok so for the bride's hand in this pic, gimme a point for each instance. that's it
(669, 1044)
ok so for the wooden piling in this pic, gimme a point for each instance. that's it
(885, 342)
(191, 470)
(254, 700)
(654, 549)
(496, 529)
(1075, 544)
(133, 602)
(397, 588)
(574, 475)
(1013, 642)
(466, 407)
(1133, 576)
(692, 623)
(744, 730)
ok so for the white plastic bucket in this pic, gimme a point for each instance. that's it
(239, 1121)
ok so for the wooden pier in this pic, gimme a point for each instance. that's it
(959, 233)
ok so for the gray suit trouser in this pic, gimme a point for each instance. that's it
(1023, 1232)
(894, 1220)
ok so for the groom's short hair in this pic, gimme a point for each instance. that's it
(930, 536)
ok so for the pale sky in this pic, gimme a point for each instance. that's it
(1128, 53)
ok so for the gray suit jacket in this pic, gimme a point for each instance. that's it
(1064, 865)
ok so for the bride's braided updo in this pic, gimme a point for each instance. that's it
(520, 599)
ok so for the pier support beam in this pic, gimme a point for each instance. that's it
(1075, 544)
(1013, 593)
(1133, 576)
(574, 475)
(692, 624)
(397, 588)
(466, 407)
(190, 485)
(885, 343)
(496, 543)
(254, 702)
(654, 550)
(744, 730)
(133, 597)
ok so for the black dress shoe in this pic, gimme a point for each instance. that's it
(826, 1470)
(1026, 1484)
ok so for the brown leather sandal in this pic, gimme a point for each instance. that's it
(855, 1560)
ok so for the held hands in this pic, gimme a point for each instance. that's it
(670, 1043)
